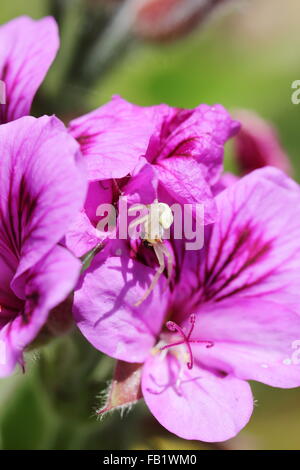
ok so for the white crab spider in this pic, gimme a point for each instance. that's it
(158, 219)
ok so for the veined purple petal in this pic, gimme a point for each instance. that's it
(42, 189)
(27, 49)
(105, 310)
(244, 285)
(183, 180)
(252, 250)
(201, 134)
(113, 137)
(253, 340)
(45, 288)
(83, 235)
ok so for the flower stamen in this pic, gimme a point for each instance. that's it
(186, 339)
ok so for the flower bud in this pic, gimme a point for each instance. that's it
(125, 389)
(257, 145)
(165, 20)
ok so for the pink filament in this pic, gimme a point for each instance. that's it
(172, 326)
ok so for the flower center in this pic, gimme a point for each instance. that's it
(186, 339)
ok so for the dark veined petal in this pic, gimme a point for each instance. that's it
(42, 189)
(27, 49)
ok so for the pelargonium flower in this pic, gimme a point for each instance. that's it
(27, 49)
(185, 146)
(231, 313)
(42, 189)
(258, 145)
(182, 148)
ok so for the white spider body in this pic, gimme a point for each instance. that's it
(155, 223)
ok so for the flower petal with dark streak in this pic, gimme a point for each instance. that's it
(42, 188)
(27, 49)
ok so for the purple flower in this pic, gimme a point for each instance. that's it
(230, 314)
(42, 189)
(181, 148)
(184, 148)
(27, 49)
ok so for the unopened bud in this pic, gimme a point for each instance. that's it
(258, 145)
(165, 20)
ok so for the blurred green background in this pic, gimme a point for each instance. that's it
(246, 57)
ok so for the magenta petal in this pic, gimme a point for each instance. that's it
(195, 404)
(142, 186)
(99, 192)
(27, 49)
(253, 339)
(200, 134)
(113, 137)
(183, 179)
(42, 188)
(105, 311)
(253, 250)
(244, 285)
(46, 287)
(8, 300)
(82, 236)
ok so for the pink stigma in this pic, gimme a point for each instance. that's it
(172, 326)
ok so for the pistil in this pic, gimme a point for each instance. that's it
(186, 339)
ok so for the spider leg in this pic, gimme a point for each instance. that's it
(169, 257)
(160, 270)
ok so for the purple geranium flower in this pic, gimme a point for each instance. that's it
(182, 149)
(185, 146)
(231, 313)
(27, 49)
(42, 189)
